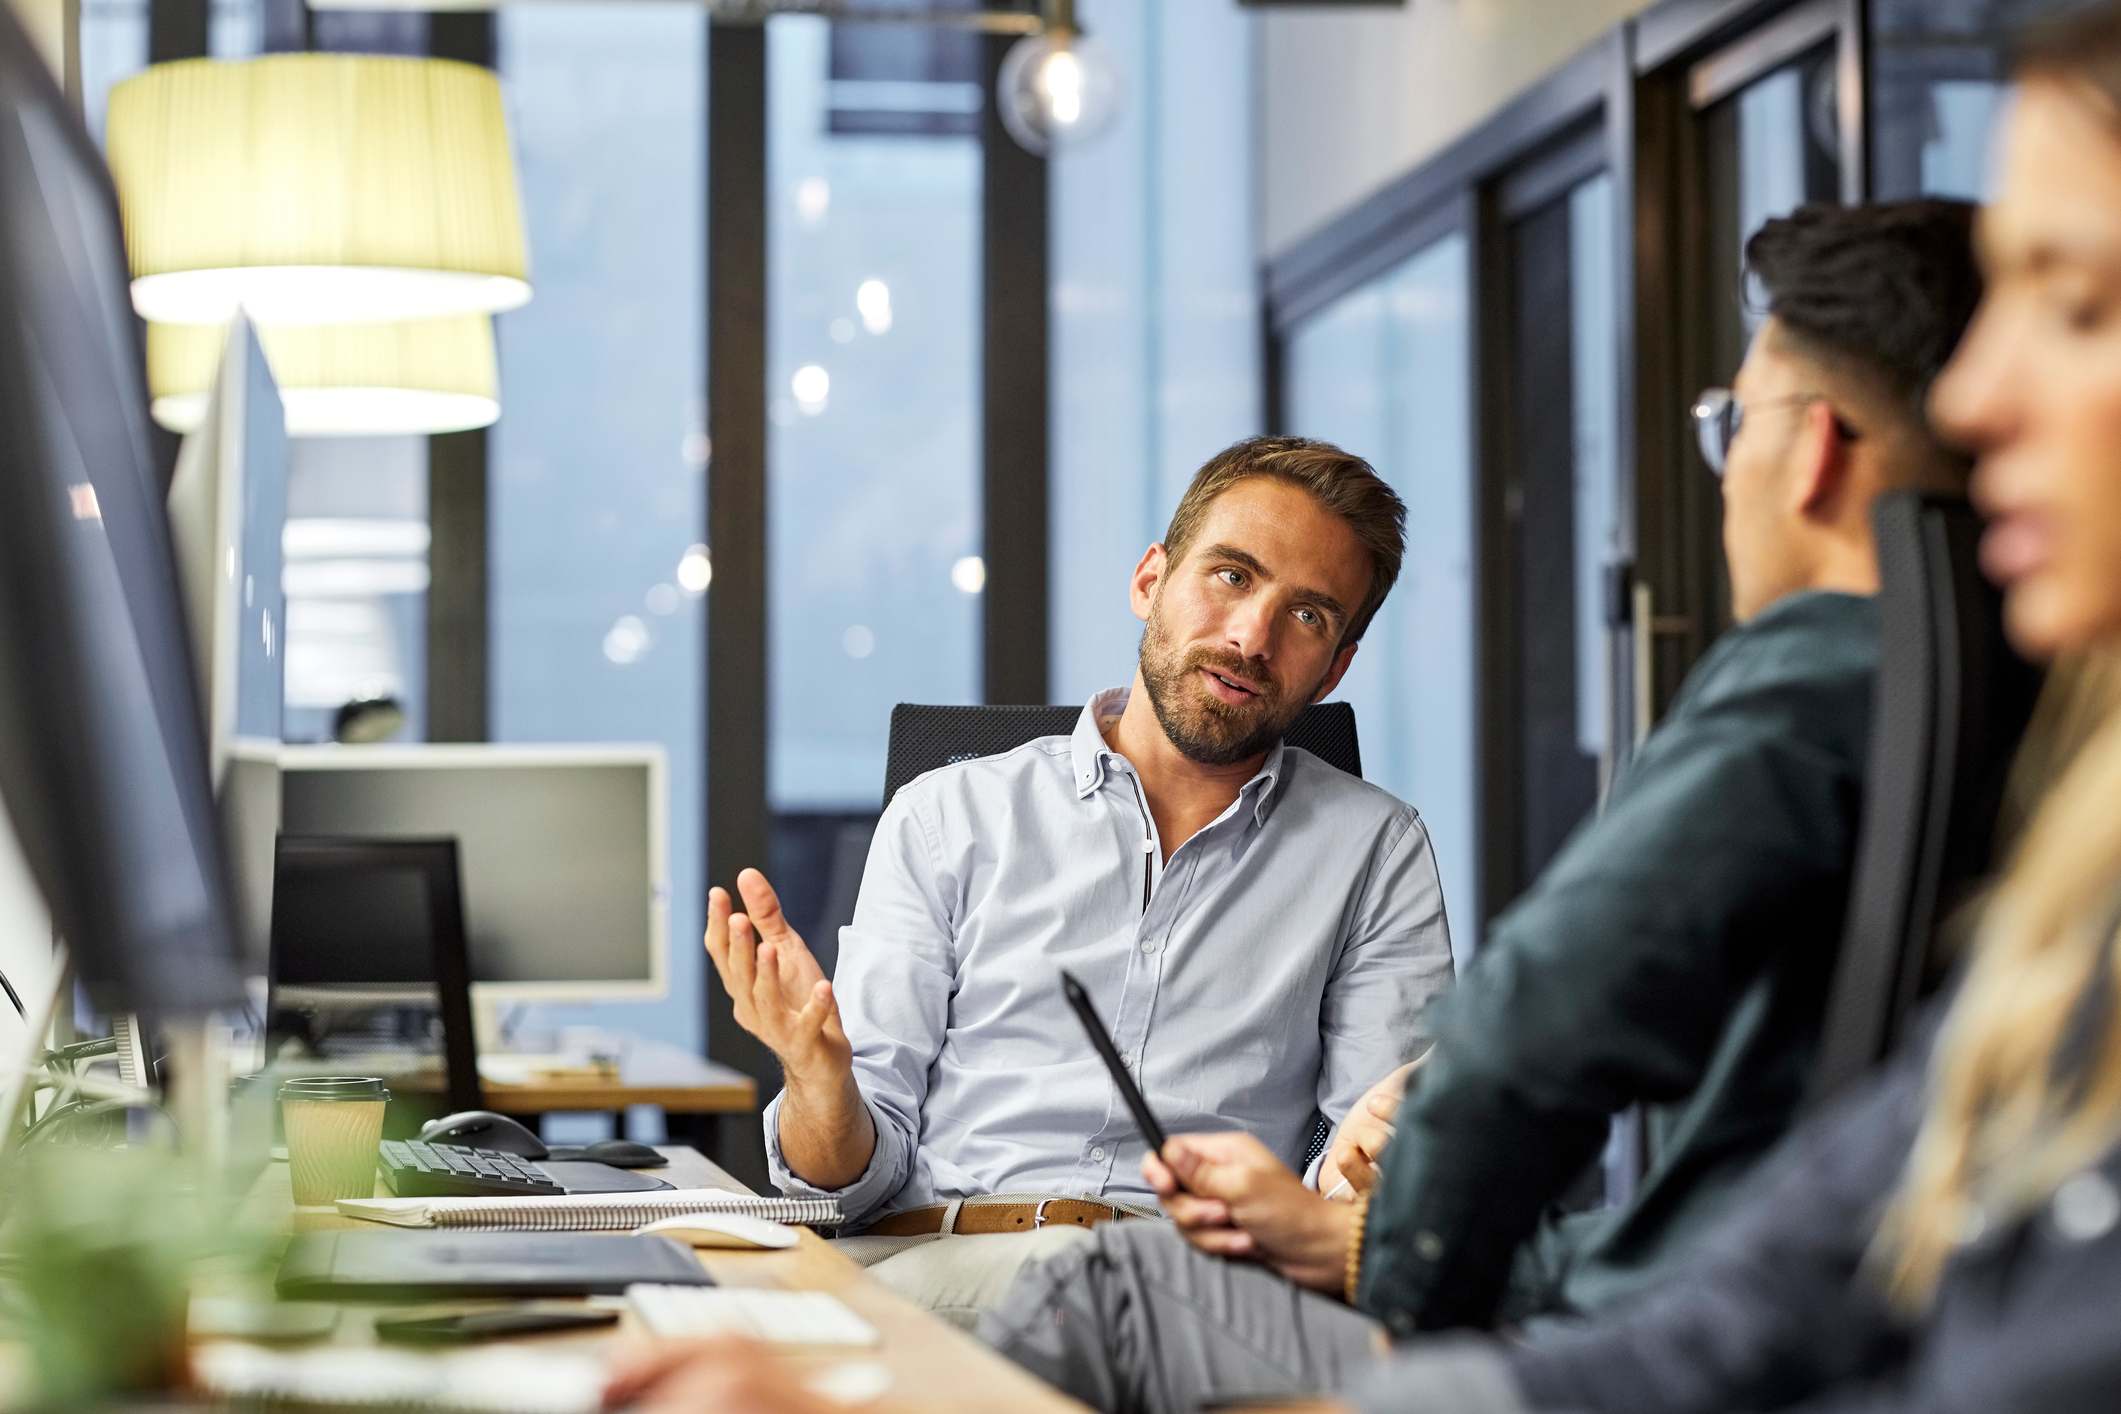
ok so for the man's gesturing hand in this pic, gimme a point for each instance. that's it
(780, 992)
(1231, 1196)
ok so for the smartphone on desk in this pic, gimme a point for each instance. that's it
(1085, 1012)
(492, 1323)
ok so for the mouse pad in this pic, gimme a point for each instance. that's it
(579, 1177)
(419, 1265)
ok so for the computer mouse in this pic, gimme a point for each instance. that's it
(483, 1129)
(618, 1153)
(720, 1230)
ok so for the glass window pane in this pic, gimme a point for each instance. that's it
(1936, 89)
(1155, 309)
(1768, 149)
(1596, 411)
(598, 462)
(355, 574)
(1955, 155)
(873, 509)
(113, 47)
(1384, 372)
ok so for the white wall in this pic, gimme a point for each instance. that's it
(25, 940)
(1350, 98)
(54, 26)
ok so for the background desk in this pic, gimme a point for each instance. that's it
(706, 1105)
(933, 1364)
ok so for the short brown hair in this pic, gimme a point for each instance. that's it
(1340, 481)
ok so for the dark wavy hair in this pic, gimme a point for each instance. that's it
(1889, 287)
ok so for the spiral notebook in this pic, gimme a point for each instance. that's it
(586, 1212)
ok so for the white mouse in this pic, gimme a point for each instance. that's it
(721, 1230)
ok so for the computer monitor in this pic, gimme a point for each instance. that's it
(562, 851)
(102, 749)
(227, 513)
(364, 925)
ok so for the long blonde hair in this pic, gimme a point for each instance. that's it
(2007, 1119)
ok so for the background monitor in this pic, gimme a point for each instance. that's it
(562, 852)
(227, 512)
(102, 750)
(365, 925)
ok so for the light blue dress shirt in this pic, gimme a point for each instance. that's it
(1276, 965)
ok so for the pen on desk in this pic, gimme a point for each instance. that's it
(1338, 1189)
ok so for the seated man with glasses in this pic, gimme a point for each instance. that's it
(1677, 953)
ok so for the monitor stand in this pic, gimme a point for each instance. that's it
(485, 1023)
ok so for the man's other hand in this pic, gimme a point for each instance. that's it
(1359, 1144)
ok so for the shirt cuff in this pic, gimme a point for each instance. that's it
(1463, 1374)
(883, 1178)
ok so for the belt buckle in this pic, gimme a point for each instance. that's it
(1038, 1214)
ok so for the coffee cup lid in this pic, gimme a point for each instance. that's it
(334, 1087)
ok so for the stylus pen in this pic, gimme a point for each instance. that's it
(1341, 1187)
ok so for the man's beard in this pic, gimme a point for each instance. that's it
(1203, 727)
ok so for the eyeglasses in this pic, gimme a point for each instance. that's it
(1718, 414)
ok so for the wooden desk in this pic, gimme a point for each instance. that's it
(649, 1073)
(707, 1105)
(934, 1366)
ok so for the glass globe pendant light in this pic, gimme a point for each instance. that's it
(1058, 88)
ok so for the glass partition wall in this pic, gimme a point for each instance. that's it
(1384, 370)
(1461, 331)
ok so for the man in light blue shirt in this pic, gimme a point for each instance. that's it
(1260, 930)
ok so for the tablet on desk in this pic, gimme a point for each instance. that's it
(397, 1266)
(1086, 1013)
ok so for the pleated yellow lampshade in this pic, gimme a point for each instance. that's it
(341, 380)
(317, 188)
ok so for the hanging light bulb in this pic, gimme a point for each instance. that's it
(1057, 89)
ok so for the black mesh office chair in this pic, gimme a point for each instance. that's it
(925, 737)
(1950, 706)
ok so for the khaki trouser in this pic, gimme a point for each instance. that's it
(958, 1277)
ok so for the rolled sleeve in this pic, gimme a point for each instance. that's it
(1396, 960)
(889, 1165)
(893, 985)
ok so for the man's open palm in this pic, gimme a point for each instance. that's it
(780, 993)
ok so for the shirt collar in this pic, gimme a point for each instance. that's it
(1087, 750)
(1089, 755)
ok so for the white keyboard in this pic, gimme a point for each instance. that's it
(777, 1317)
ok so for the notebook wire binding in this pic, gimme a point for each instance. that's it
(589, 1213)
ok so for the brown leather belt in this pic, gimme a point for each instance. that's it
(975, 1216)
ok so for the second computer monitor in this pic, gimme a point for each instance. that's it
(227, 513)
(562, 851)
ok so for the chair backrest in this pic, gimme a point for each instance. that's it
(925, 737)
(1950, 705)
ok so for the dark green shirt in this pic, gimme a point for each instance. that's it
(1676, 953)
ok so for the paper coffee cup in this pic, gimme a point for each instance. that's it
(334, 1125)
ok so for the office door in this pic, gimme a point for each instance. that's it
(1557, 673)
(1729, 137)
